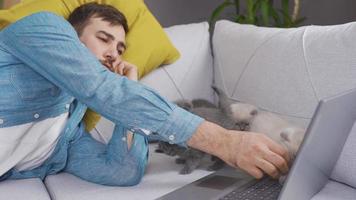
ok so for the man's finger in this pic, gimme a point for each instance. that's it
(278, 161)
(255, 172)
(120, 68)
(279, 149)
(269, 168)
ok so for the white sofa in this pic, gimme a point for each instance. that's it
(285, 71)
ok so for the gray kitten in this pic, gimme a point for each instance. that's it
(192, 158)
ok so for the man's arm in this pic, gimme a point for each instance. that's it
(50, 46)
(252, 152)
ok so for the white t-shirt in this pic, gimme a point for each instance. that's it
(28, 145)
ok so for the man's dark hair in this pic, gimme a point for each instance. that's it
(81, 16)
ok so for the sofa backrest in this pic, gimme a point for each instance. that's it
(286, 71)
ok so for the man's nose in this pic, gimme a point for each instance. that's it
(110, 58)
(113, 57)
(111, 54)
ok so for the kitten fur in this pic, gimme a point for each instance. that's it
(251, 118)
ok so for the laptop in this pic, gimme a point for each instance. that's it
(324, 140)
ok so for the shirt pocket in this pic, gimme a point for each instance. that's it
(32, 86)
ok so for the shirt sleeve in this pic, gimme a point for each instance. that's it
(49, 45)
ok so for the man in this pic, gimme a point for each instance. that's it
(44, 66)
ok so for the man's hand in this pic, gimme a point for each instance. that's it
(254, 153)
(127, 69)
(123, 68)
(257, 154)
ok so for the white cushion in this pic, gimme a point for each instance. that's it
(29, 189)
(336, 191)
(286, 71)
(192, 75)
(161, 178)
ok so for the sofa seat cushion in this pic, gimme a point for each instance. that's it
(286, 71)
(29, 189)
(336, 191)
(161, 177)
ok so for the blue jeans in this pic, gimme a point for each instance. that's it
(112, 164)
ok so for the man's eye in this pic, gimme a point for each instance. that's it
(103, 39)
(120, 52)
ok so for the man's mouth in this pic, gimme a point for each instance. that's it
(107, 65)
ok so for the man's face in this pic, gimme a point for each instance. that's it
(105, 41)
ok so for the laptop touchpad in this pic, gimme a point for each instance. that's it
(218, 182)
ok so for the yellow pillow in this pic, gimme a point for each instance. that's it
(147, 44)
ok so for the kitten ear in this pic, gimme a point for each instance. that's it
(254, 112)
(285, 135)
(185, 104)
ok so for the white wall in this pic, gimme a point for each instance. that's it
(321, 12)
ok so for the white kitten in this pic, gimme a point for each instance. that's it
(270, 124)
(251, 118)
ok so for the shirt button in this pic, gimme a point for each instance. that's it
(1, 121)
(123, 139)
(36, 115)
(171, 137)
(67, 106)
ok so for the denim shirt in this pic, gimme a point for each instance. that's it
(44, 66)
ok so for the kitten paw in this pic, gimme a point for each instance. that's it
(185, 170)
(216, 166)
(180, 161)
(159, 151)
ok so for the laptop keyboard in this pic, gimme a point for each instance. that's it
(265, 189)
